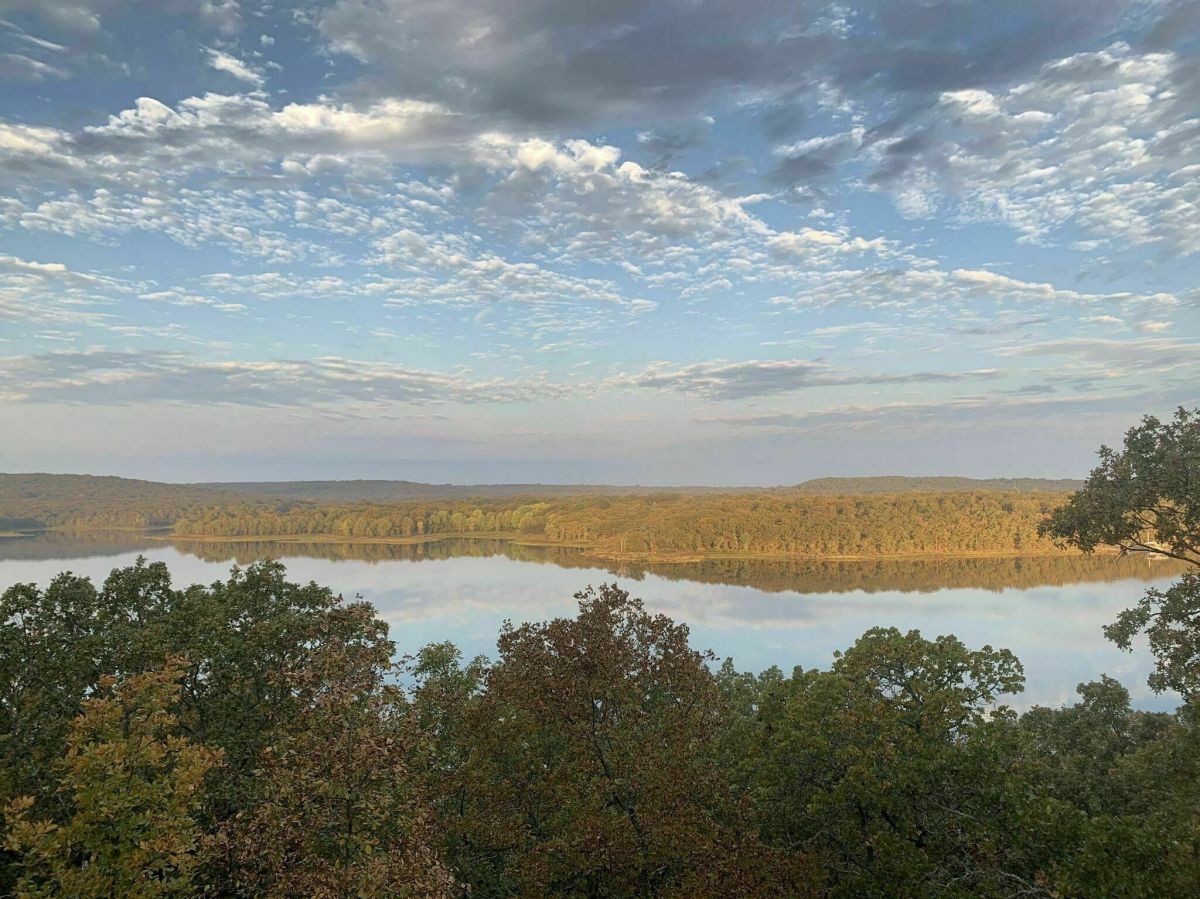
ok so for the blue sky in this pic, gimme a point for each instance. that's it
(549, 240)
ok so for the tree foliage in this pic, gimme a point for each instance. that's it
(587, 768)
(783, 523)
(283, 751)
(1146, 499)
(1143, 498)
(597, 755)
(336, 811)
(876, 765)
(130, 783)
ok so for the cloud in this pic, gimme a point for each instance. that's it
(755, 378)
(231, 65)
(214, 131)
(23, 142)
(52, 293)
(667, 143)
(113, 377)
(810, 244)
(467, 276)
(926, 289)
(26, 68)
(239, 221)
(816, 158)
(227, 134)
(1104, 141)
(1111, 358)
(86, 16)
(48, 270)
(582, 203)
(991, 412)
(552, 63)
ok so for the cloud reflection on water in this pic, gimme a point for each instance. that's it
(1055, 629)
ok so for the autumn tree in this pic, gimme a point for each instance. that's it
(337, 812)
(589, 770)
(131, 785)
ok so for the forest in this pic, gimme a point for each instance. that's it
(886, 517)
(33, 501)
(259, 737)
(776, 523)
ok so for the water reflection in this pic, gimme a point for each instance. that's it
(774, 576)
(1048, 611)
(75, 544)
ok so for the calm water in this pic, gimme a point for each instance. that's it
(1048, 611)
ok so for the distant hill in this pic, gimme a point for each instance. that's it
(383, 491)
(828, 517)
(29, 501)
(52, 500)
(850, 486)
(415, 491)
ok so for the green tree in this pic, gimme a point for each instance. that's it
(57, 644)
(131, 784)
(1108, 797)
(443, 692)
(888, 766)
(1146, 498)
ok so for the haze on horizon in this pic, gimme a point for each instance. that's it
(564, 241)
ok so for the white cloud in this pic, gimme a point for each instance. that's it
(231, 65)
(930, 288)
(1108, 358)
(22, 66)
(1101, 141)
(721, 380)
(226, 134)
(111, 377)
(990, 412)
(17, 141)
(51, 293)
(89, 15)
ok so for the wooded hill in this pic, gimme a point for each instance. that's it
(847, 486)
(806, 520)
(80, 500)
(414, 491)
(781, 523)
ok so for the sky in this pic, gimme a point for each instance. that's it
(681, 242)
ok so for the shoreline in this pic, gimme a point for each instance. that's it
(590, 551)
(600, 554)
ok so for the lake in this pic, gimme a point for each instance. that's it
(1049, 611)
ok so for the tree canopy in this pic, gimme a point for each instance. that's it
(1145, 498)
(259, 737)
(256, 737)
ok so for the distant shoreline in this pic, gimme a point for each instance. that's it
(162, 535)
(608, 555)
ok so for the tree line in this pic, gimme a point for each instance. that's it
(258, 737)
(780, 522)
(783, 524)
(31, 501)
